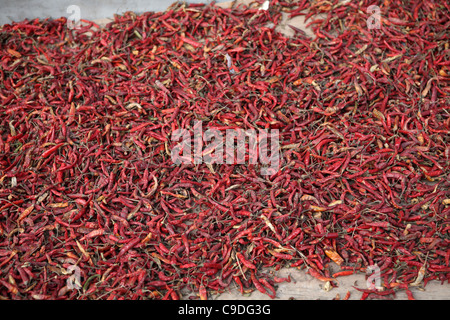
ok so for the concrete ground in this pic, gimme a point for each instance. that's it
(18, 10)
(305, 287)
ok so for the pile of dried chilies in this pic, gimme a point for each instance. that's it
(86, 177)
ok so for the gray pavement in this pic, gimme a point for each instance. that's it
(18, 10)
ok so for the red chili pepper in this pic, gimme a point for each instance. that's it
(257, 284)
(52, 150)
(245, 262)
(203, 293)
(317, 275)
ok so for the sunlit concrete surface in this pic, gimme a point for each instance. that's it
(18, 10)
